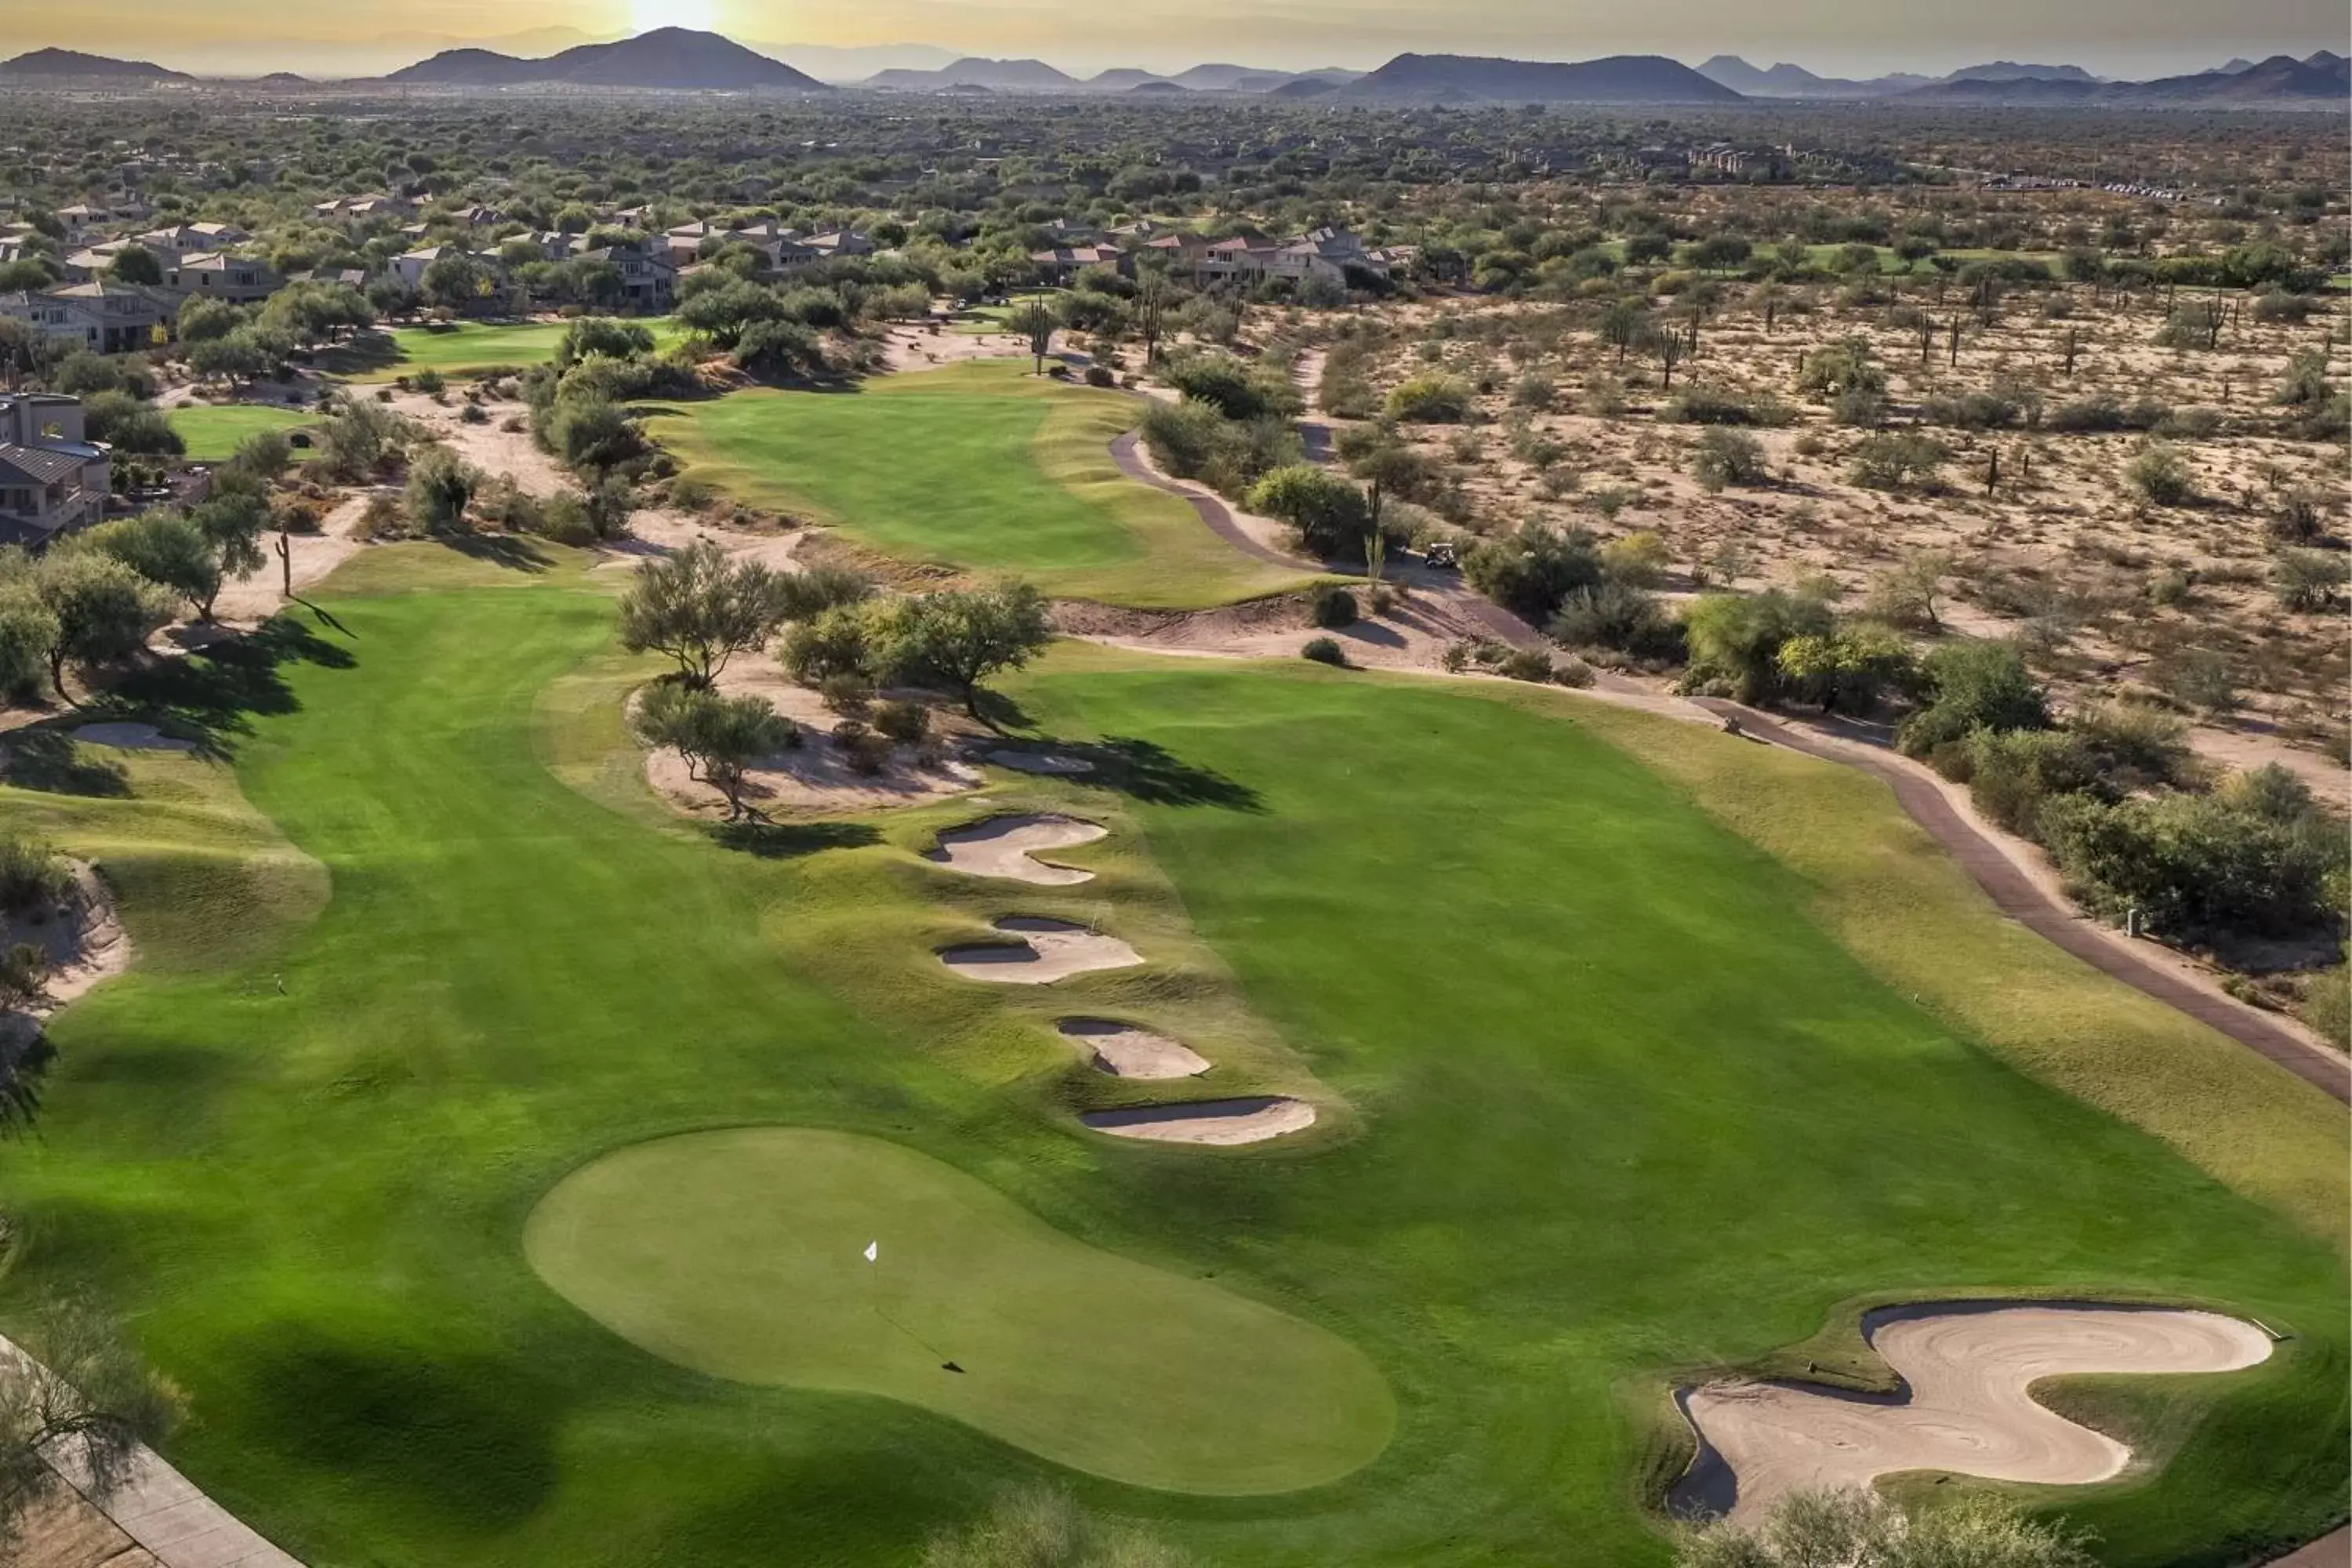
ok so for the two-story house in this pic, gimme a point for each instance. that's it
(52, 480)
(239, 279)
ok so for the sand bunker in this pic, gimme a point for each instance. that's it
(1967, 1370)
(1004, 847)
(132, 738)
(1220, 1121)
(1040, 763)
(1042, 952)
(1123, 1051)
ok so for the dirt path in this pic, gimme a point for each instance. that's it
(1127, 451)
(2024, 898)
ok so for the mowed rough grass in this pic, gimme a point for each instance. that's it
(475, 348)
(213, 431)
(981, 466)
(1622, 1110)
(742, 1253)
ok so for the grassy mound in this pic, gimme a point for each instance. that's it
(980, 466)
(741, 1253)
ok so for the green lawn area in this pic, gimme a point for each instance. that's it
(980, 466)
(1610, 1103)
(469, 348)
(213, 431)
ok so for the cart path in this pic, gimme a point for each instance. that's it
(2328, 1551)
(2016, 895)
(1211, 507)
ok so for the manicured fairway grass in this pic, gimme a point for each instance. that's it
(1622, 1109)
(472, 348)
(690, 1246)
(213, 431)
(982, 466)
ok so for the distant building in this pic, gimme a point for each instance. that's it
(52, 480)
(104, 318)
(238, 279)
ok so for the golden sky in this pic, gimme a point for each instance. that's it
(1850, 37)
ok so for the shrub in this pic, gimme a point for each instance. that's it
(846, 692)
(2160, 476)
(1332, 607)
(2308, 580)
(1325, 650)
(1526, 664)
(1859, 1530)
(1331, 515)
(2012, 773)
(33, 876)
(440, 487)
(1429, 399)
(1102, 375)
(2200, 866)
(1863, 407)
(2136, 745)
(1531, 571)
(1221, 382)
(2298, 520)
(1728, 457)
(2328, 1005)
(1534, 390)
(905, 722)
(836, 642)
(564, 518)
(1619, 615)
(1851, 669)
(1891, 461)
(1192, 441)
(1714, 405)
(1843, 366)
(2105, 412)
(1638, 558)
(1973, 684)
(2200, 679)
(1735, 639)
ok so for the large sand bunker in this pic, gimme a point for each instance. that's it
(1042, 952)
(1123, 1051)
(1967, 1408)
(1220, 1121)
(1007, 846)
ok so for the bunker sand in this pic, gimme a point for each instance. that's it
(1007, 846)
(1124, 1051)
(1968, 1408)
(1222, 1122)
(1042, 952)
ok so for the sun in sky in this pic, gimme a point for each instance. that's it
(644, 15)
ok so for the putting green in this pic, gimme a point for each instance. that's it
(982, 466)
(741, 1253)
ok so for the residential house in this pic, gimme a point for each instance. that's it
(409, 267)
(842, 242)
(104, 318)
(191, 239)
(93, 262)
(1063, 263)
(52, 479)
(364, 209)
(648, 282)
(239, 279)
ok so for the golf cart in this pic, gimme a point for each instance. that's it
(1441, 554)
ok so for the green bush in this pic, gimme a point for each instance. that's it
(1429, 399)
(1851, 669)
(2328, 1005)
(1224, 383)
(2202, 867)
(904, 723)
(1893, 460)
(33, 876)
(1728, 457)
(1735, 639)
(2308, 580)
(2159, 475)
(1973, 684)
(1331, 516)
(1325, 650)
(1531, 572)
(1619, 615)
(1332, 607)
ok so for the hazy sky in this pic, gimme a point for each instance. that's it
(2117, 37)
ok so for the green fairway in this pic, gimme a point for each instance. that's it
(689, 1246)
(472, 348)
(1611, 1107)
(213, 431)
(982, 466)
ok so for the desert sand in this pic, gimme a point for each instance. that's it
(1969, 1371)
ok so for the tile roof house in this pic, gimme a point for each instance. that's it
(51, 479)
(1063, 263)
(239, 279)
(104, 318)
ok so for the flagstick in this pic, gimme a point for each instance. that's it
(874, 1300)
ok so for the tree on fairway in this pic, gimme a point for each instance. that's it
(82, 1384)
(104, 610)
(701, 609)
(719, 737)
(956, 640)
(1331, 515)
(168, 550)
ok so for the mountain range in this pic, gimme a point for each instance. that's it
(679, 58)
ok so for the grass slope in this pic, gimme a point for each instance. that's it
(469, 348)
(686, 1244)
(213, 431)
(981, 466)
(1617, 1108)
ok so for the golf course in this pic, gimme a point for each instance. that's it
(928, 467)
(213, 431)
(488, 1155)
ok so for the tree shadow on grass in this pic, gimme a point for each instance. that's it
(48, 761)
(214, 695)
(790, 840)
(509, 551)
(1147, 771)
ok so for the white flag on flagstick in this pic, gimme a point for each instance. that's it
(873, 1250)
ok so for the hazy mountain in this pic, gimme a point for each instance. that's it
(2010, 70)
(60, 65)
(1159, 88)
(830, 63)
(1786, 81)
(668, 58)
(1469, 79)
(1212, 77)
(1123, 77)
(1305, 87)
(2281, 81)
(1015, 76)
(2238, 64)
